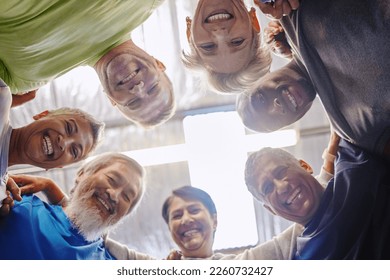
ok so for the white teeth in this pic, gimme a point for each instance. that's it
(296, 194)
(216, 17)
(128, 78)
(104, 204)
(47, 146)
(190, 233)
(291, 98)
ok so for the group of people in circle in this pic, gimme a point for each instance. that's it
(336, 51)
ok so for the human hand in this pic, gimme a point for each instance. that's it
(174, 255)
(330, 152)
(278, 8)
(333, 144)
(13, 188)
(31, 184)
(8, 202)
(19, 99)
(276, 39)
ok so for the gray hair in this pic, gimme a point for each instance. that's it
(253, 162)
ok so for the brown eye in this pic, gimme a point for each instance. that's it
(68, 128)
(237, 42)
(133, 104)
(75, 152)
(267, 188)
(207, 46)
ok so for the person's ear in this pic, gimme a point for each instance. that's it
(269, 209)
(160, 65)
(215, 222)
(306, 166)
(41, 115)
(254, 20)
(188, 31)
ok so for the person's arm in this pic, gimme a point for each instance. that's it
(19, 99)
(33, 184)
(329, 154)
(281, 247)
(122, 252)
(329, 157)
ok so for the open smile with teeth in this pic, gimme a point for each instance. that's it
(191, 233)
(291, 99)
(218, 17)
(105, 205)
(47, 146)
(296, 194)
(129, 77)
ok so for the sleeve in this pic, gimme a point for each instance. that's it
(352, 216)
(281, 247)
(3, 194)
(2, 83)
(324, 177)
(122, 252)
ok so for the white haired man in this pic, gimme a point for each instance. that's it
(106, 190)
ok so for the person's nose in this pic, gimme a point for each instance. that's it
(220, 31)
(64, 142)
(113, 194)
(186, 219)
(139, 89)
(281, 186)
(278, 106)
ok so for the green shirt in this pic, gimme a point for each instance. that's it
(43, 39)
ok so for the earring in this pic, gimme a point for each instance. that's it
(188, 22)
(255, 22)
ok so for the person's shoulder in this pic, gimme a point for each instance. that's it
(350, 155)
(31, 200)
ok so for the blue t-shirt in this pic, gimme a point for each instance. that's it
(353, 220)
(35, 230)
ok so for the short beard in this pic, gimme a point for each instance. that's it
(86, 219)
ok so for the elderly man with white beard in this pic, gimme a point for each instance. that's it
(106, 190)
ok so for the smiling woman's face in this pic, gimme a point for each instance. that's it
(222, 35)
(56, 140)
(192, 227)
